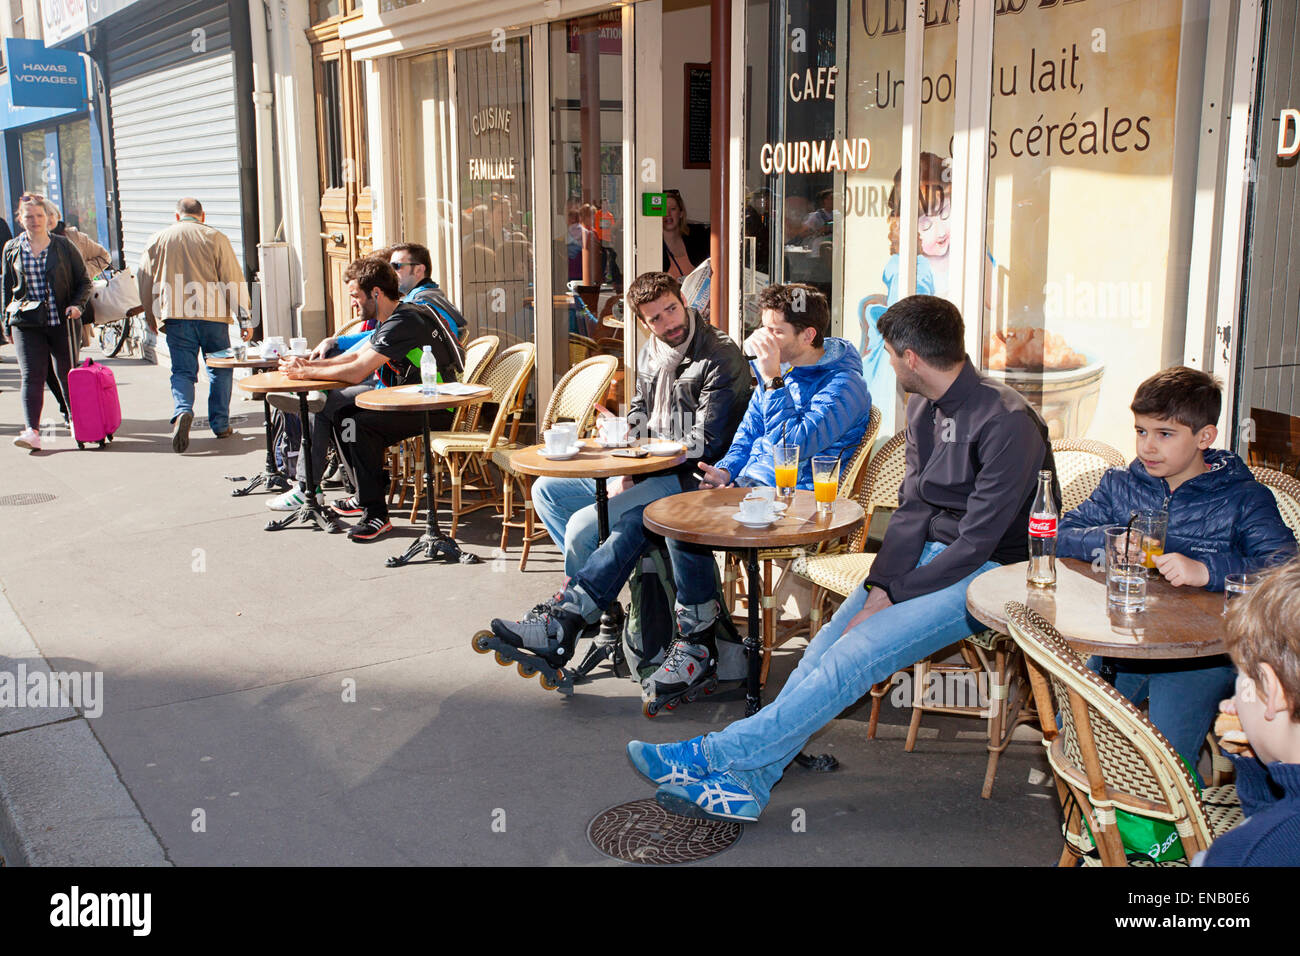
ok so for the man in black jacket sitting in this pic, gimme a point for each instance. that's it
(974, 450)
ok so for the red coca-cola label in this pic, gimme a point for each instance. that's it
(1042, 527)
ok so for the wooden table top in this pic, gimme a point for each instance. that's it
(1178, 622)
(708, 517)
(591, 462)
(215, 362)
(397, 400)
(266, 382)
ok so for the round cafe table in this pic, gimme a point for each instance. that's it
(433, 542)
(707, 518)
(1177, 622)
(267, 382)
(270, 476)
(594, 461)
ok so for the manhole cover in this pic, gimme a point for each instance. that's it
(644, 832)
(234, 420)
(30, 498)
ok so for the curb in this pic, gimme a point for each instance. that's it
(62, 802)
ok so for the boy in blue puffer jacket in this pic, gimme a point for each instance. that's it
(1221, 521)
(811, 391)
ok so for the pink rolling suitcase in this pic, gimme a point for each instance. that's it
(92, 402)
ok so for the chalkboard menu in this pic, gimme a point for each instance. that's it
(697, 124)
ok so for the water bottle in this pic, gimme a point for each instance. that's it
(1042, 535)
(429, 377)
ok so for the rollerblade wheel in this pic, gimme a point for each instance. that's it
(649, 709)
(546, 682)
(502, 659)
(525, 670)
(476, 642)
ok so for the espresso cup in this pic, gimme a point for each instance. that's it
(763, 491)
(298, 346)
(556, 441)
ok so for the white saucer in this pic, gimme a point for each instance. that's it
(560, 456)
(617, 444)
(664, 447)
(761, 523)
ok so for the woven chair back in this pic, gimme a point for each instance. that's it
(1080, 463)
(1127, 762)
(854, 471)
(581, 346)
(576, 394)
(881, 485)
(1287, 492)
(478, 354)
(507, 376)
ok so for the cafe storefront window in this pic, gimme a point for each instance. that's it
(1094, 130)
(587, 182)
(1092, 140)
(494, 113)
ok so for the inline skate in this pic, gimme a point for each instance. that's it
(542, 644)
(689, 670)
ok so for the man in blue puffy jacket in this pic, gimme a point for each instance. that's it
(1221, 521)
(811, 392)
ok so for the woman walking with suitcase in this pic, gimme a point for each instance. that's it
(43, 291)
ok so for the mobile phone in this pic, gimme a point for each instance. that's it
(630, 452)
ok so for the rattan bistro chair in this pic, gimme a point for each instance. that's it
(1287, 492)
(1110, 757)
(1080, 463)
(574, 399)
(507, 377)
(852, 474)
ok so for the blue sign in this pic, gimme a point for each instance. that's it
(41, 77)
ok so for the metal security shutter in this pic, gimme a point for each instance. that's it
(173, 109)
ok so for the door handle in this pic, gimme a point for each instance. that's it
(335, 237)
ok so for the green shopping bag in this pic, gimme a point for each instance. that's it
(1149, 837)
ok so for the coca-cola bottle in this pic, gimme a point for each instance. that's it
(1042, 535)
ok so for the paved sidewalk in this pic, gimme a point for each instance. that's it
(229, 656)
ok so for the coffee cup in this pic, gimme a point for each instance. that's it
(613, 431)
(764, 492)
(556, 441)
(570, 432)
(298, 346)
(755, 508)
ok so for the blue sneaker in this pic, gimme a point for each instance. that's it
(669, 763)
(717, 796)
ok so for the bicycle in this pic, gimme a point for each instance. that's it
(128, 331)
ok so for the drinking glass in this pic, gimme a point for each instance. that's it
(785, 461)
(826, 481)
(1126, 577)
(1149, 529)
(1237, 586)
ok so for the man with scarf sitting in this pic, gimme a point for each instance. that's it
(692, 386)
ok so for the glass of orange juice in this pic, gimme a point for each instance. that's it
(1151, 525)
(785, 461)
(826, 481)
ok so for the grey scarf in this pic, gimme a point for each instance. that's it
(666, 359)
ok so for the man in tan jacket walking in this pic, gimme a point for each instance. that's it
(192, 287)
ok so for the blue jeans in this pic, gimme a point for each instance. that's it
(1184, 695)
(602, 570)
(836, 670)
(185, 339)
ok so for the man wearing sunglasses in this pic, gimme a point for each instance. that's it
(413, 265)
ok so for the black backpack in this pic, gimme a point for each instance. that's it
(651, 620)
(286, 432)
